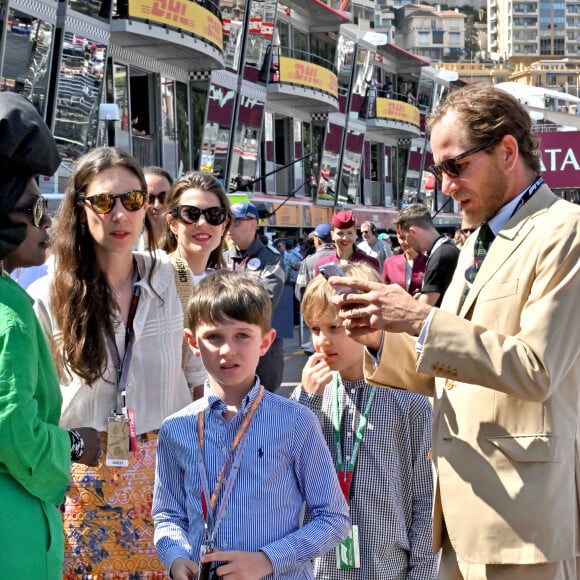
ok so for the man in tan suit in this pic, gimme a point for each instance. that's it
(501, 355)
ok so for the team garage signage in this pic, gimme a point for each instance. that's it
(561, 159)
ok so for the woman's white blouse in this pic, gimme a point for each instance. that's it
(157, 386)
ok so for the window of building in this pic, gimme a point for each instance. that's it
(545, 46)
(78, 94)
(94, 8)
(27, 52)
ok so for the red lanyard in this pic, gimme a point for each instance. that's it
(221, 477)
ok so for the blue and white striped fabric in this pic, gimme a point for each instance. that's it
(286, 467)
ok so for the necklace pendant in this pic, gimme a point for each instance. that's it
(118, 294)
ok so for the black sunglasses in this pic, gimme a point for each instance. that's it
(450, 166)
(189, 214)
(160, 196)
(104, 202)
(38, 210)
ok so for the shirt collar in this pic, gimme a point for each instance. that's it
(501, 218)
(358, 384)
(216, 404)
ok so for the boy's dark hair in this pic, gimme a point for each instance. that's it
(317, 300)
(225, 295)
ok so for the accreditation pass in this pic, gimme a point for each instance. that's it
(118, 438)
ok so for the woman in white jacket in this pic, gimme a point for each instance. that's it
(115, 323)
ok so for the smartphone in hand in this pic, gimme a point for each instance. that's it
(332, 269)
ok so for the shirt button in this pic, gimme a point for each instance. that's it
(224, 450)
(349, 434)
(352, 391)
(225, 544)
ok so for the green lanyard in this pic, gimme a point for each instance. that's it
(345, 477)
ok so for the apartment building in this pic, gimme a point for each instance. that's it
(523, 31)
(430, 32)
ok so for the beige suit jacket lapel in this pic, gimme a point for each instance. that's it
(520, 225)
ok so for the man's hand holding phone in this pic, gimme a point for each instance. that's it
(332, 269)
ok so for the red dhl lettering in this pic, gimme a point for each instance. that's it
(213, 29)
(306, 74)
(172, 10)
(158, 8)
(332, 85)
(395, 108)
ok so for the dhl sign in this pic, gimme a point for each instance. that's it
(398, 111)
(303, 73)
(188, 16)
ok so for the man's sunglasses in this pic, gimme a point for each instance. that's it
(450, 166)
(160, 197)
(38, 210)
(189, 214)
(104, 202)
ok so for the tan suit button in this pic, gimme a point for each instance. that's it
(449, 384)
(454, 373)
(435, 367)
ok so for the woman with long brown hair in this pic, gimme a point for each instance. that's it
(116, 325)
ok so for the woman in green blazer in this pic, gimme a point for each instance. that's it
(35, 454)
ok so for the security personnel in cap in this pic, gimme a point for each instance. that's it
(249, 254)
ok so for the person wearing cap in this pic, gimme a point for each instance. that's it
(372, 245)
(344, 234)
(323, 246)
(35, 453)
(249, 254)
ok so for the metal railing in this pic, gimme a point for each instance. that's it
(304, 56)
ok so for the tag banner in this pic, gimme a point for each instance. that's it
(188, 16)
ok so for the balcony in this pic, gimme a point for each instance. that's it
(387, 117)
(181, 33)
(301, 80)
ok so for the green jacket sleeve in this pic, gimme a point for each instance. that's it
(33, 449)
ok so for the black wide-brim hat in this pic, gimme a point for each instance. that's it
(27, 149)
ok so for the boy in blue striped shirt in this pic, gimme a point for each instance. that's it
(237, 469)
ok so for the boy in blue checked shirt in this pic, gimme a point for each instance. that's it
(236, 469)
(380, 440)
